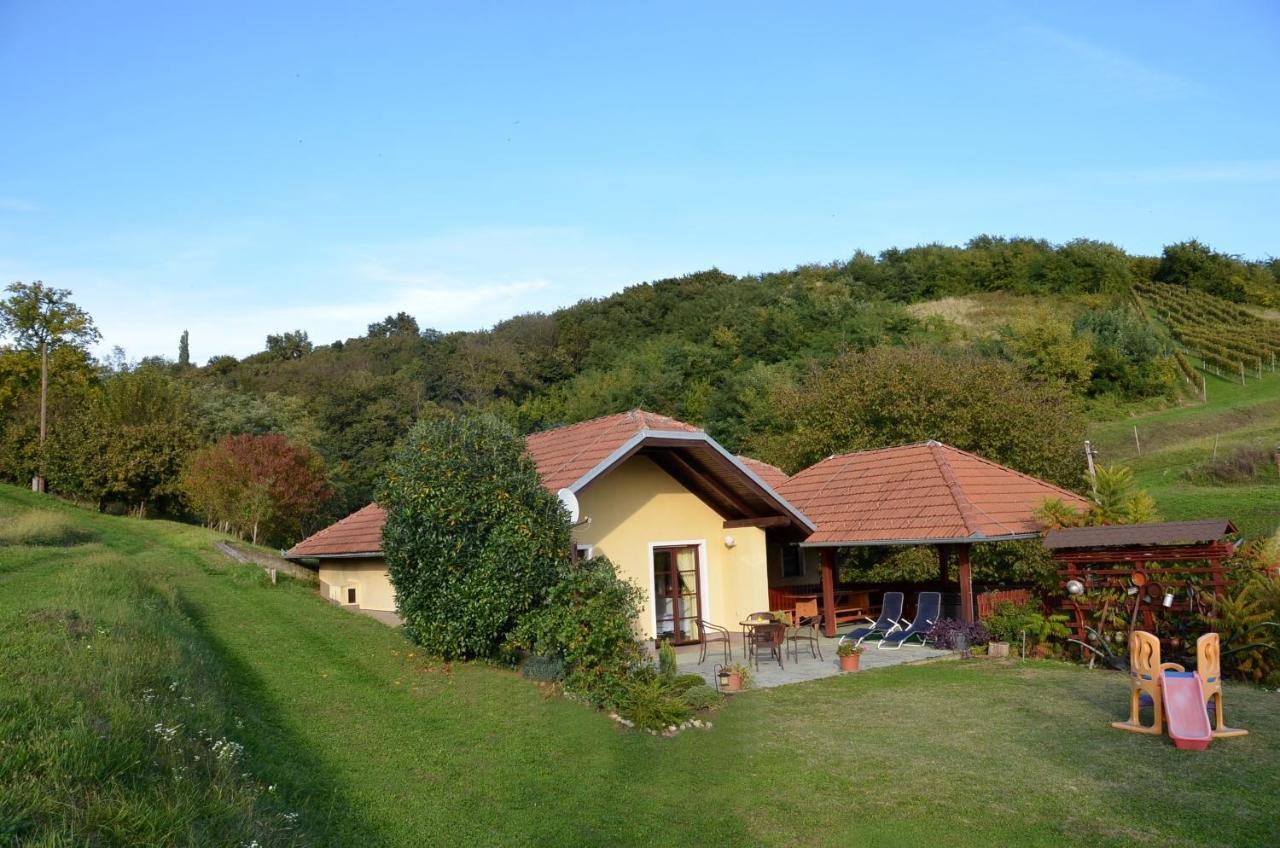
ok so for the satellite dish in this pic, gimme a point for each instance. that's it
(570, 503)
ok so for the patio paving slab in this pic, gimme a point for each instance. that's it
(807, 668)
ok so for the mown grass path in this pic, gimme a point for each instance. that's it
(353, 738)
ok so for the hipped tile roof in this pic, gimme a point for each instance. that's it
(772, 475)
(358, 533)
(917, 493)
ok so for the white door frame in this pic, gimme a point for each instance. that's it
(704, 590)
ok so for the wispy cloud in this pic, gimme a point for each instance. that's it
(1110, 66)
(1246, 172)
(150, 289)
(16, 204)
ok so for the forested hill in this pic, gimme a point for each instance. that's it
(768, 363)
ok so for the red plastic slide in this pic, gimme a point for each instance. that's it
(1185, 711)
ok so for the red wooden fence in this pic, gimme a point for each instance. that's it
(988, 601)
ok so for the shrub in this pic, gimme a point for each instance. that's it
(685, 682)
(702, 697)
(944, 633)
(587, 621)
(845, 649)
(667, 660)
(1244, 464)
(649, 703)
(473, 541)
(546, 669)
(1009, 621)
(43, 527)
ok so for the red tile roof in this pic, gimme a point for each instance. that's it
(562, 455)
(772, 475)
(358, 533)
(917, 493)
(566, 453)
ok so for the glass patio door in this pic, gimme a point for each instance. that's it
(676, 596)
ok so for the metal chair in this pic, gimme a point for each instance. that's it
(708, 633)
(805, 629)
(770, 637)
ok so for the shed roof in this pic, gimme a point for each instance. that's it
(1127, 535)
(925, 493)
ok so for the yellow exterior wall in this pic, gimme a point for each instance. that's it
(632, 509)
(368, 576)
(638, 505)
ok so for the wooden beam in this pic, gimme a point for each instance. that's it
(828, 592)
(766, 521)
(966, 585)
(699, 483)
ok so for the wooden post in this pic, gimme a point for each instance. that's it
(829, 592)
(1135, 439)
(966, 585)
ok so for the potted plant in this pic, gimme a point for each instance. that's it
(734, 677)
(850, 655)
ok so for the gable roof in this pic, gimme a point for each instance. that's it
(574, 456)
(924, 493)
(565, 454)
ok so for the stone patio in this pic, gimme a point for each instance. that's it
(807, 668)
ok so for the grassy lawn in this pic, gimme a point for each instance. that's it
(352, 738)
(1176, 439)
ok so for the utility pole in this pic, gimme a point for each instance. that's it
(1093, 472)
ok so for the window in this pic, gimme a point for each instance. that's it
(582, 551)
(792, 561)
(351, 594)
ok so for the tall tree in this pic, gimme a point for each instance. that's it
(184, 350)
(39, 318)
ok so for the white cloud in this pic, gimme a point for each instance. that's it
(216, 287)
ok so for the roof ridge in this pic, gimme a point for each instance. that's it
(963, 505)
(994, 464)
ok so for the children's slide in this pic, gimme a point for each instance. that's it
(1184, 708)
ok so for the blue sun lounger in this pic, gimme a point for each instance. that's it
(928, 610)
(889, 620)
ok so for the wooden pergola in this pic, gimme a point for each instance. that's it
(921, 494)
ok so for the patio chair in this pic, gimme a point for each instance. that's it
(766, 637)
(888, 622)
(805, 629)
(708, 633)
(928, 610)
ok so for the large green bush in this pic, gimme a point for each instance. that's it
(588, 620)
(473, 541)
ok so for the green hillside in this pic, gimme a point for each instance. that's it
(154, 694)
(1177, 450)
(764, 362)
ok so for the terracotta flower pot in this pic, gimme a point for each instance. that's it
(850, 662)
(730, 681)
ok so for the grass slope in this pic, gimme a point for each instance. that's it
(1177, 439)
(352, 738)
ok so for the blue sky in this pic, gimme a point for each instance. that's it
(240, 170)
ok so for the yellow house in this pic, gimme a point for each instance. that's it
(680, 516)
